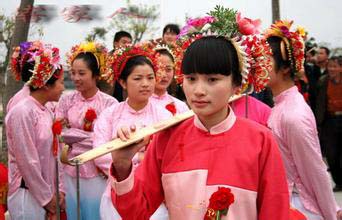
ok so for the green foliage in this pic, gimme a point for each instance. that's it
(137, 20)
(96, 33)
(225, 23)
(6, 32)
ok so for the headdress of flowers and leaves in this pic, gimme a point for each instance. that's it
(46, 62)
(22, 54)
(174, 50)
(98, 50)
(292, 45)
(252, 49)
(116, 62)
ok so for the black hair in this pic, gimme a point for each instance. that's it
(337, 59)
(26, 71)
(173, 28)
(55, 76)
(279, 62)
(91, 62)
(166, 53)
(212, 55)
(120, 34)
(327, 51)
(310, 50)
(132, 63)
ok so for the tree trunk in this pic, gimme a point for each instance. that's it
(275, 10)
(22, 25)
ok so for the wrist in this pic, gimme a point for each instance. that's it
(121, 169)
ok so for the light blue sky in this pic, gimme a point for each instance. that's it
(319, 17)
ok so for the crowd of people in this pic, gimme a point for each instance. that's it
(241, 156)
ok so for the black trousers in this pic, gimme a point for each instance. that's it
(333, 147)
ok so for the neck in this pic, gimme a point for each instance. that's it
(322, 64)
(136, 105)
(40, 96)
(276, 90)
(159, 92)
(337, 78)
(212, 120)
(89, 93)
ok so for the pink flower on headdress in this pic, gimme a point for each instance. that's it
(285, 30)
(195, 25)
(247, 26)
(200, 22)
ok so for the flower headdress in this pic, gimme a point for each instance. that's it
(46, 62)
(175, 51)
(292, 44)
(21, 54)
(242, 32)
(98, 50)
(116, 62)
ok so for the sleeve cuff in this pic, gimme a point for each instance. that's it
(124, 186)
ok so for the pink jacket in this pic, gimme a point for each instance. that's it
(73, 107)
(165, 99)
(257, 110)
(185, 164)
(29, 136)
(19, 96)
(294, 127)
(123, 115)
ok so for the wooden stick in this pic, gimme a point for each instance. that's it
(118, 143)
(135, 138)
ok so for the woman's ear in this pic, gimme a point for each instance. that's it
(46, 87)
(235, 89)
(285, 72)
(123, 84)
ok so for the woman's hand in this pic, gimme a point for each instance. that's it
(51, 206)
(339, 215)
(122, 158)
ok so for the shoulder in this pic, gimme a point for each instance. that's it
(174, 131)
(68, 97)
(299, 116)
(179, 102)
(259, 103)
(323, 80)
(107, 97)
(250, 127)
(22, 111)
(160, 111)
(111, 110)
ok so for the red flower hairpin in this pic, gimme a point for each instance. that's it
(89, 118)
(219, 203)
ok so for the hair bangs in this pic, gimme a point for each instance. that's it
(205, 57)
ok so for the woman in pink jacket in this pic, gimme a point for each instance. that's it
(80, 109)
(32, 174)
(134, 68)
(294, 127)
(168, 63)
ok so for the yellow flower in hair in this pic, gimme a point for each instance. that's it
(88, 47)
(97, 49)
(301, 31)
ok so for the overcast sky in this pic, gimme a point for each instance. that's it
(319, 17)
